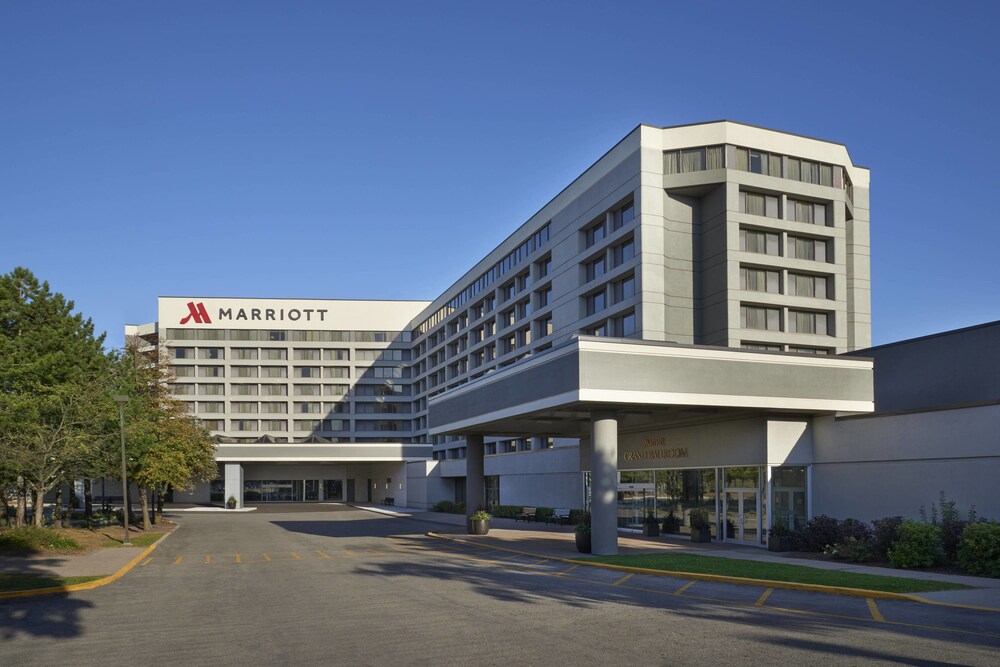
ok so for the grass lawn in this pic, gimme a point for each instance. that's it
(23, 582)
(31, 540)
(731, 567)
(143, 540)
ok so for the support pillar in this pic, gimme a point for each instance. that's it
(475, 484)
(234, 483)
(604, 483)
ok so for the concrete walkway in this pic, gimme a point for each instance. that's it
(549, 540)
(100, 562)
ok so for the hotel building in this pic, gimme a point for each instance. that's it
(678, 329)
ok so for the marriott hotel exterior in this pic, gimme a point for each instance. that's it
(685, 326)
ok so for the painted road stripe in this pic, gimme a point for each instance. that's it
(375, 552)
(238, 560)
(146, 562)
(763, 597)
(296, 556)
(267, 558)
(568, 569)
(680, 591)
(322, 555)
(873, 608)
(208, 559)
(624, 579)
(178, 561)
(350, 553)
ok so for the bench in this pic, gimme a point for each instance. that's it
(527, 514)
(560, 515)
(389, 500)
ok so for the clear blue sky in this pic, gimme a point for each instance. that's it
(377, 150)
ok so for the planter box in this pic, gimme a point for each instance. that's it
(479, 526)
(779, 543)
(651, 530)
(698, 535)
(583, 543)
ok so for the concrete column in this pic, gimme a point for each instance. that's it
(234, 483)
(604, 483)
(475, 496)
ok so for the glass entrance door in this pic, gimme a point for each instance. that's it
(742, 516)
(634, 500)
(312, 490)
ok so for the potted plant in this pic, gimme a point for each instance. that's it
(583, 535)
(479, 522)
(231, 503)
(670, 523)
(701, 527)
(779, 538)
(651, 527)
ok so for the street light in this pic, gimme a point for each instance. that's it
(121, 401)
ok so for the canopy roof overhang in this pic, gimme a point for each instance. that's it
(648, 384)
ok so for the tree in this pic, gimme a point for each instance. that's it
(165, 445)
(51, 369)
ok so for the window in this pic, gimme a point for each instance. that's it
(342, 407)
(623, 289)
(595, 234)
(336, 355)
(211, 371)
(337, 372)
(380, 355)
(336, 425)
(798, 349)
(182, 352)
(278, 335)
(544, 267)
(211, 353)
(764, 243)
(211, 406)
(214, 424)
(598, 330)
(693, 159)
(760, 346)
(508, 344)
(274, 425)
(307, 389)
(807, 212)
(244, 407)
(182, 389)
(759, 280)
(308, 408)
(306, 354)
(243, 424)
(544, 326)
(806, 285)
(755, 203)
(211, 389)
(274, 389)
(523, 309)
(758, 162)
(808, 322)
(623, 253)
(274, 408)
(306, 372)
(337, 390)
(524, 337)
(596, 302)
(507, 291)
(183, 371)
(307, 424)
(544, 297)
(806, 248)
(244, 353)
(274, 371)
(274, 354)
(623, 325)
(243, 389)
(596, 268)
(755, 317)
(244, 371)
(622, 216)
(507, 318)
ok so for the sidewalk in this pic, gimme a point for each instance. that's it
(99, 562)
(548, 540)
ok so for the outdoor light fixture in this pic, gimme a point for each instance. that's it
(121, 400)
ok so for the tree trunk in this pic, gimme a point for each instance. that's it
(38, 507)
(57, 509)
(156, 496)
(21, 509)
(144, 502)
(88, 499)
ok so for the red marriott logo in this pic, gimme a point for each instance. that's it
(198, 312)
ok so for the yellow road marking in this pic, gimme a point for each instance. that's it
(323, 555)
(208, 559)
(873, 608)
(266, 557)
(296, 556)
(686, 586)
(375, 551)
(568, 569)
(624, 579)
(350, 553)
(763, 596)
(178, 561)
(146, 562)
(238, 559)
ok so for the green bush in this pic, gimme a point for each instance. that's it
(32, 539)
(852, 549)
(507, 511)
(886, 532)
(544, 513)
(444, 506)
(979, 549)
(917, 545)
(577, 517)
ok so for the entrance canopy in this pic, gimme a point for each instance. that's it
(648, 383)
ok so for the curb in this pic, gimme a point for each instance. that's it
(788, 585)
(86, 586)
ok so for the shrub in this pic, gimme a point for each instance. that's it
(576, 517)
(886, 531)
(507, 511)
(444, 506)
(918, 545)
(544, 513)
(699, 520)
(856, 530)
(852, 549)
(32, 539)
(820, 533)
(979, 549)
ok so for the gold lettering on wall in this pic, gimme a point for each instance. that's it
(656, 453)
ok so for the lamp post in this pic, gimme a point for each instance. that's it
(121, 401)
